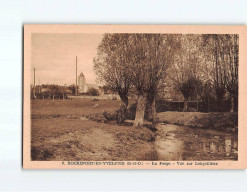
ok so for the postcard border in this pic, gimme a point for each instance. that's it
(175, 29)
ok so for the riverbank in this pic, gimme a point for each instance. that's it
(63, 131)
(221, 121)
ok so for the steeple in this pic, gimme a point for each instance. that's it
(81, 75)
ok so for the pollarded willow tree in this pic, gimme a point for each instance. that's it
(223, 50)
(151, 56)
(213, 44)
(135, 60)
(232, 54)
(187, 68)
(112, 67)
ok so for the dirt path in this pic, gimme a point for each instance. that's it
(92, 145)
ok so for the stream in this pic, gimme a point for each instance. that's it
(182, 143)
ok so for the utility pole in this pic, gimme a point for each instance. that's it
(39, 86)
(76, 92)
(34, 95)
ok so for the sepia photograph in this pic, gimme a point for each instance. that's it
(132, 96)
(123, 96)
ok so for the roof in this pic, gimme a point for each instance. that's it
(81, 75)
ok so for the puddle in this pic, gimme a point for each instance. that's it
(178, 143)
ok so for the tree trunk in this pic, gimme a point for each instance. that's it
(235, 97)
(220, 93)
(123, 109)
(151, 110)
(208, 104)
(232, 103)
(140, 111)
(197, 104)
(186, 100)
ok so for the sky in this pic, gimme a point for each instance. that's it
(54, 57)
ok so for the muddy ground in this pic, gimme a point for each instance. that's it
(62, 131)
(78, 130)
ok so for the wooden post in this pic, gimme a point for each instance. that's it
(76, 92)
(34, 92)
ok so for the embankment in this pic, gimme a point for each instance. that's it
(222, 121)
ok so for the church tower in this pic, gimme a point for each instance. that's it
(82, 83)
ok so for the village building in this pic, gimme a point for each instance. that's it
(83, 87)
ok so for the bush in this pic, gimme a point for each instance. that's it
(110, 116)
(93, 92)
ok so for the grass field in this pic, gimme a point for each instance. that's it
(78, 107)
(61, 131)
(76, 130)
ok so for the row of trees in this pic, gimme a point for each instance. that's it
(48, 91)
(57, 91)
(134, 62)
(206, 67)
(90, 91)
(142, 64)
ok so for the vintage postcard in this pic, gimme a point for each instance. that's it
(134, 97)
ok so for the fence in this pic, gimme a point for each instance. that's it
(209, 106)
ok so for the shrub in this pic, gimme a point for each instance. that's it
(110, 116)
(93, 92)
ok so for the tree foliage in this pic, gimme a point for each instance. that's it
(222, 52)
(112, 67)
(187, 68)
(138, 61)
(93, 92)
(143, 63)
(152, 55)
